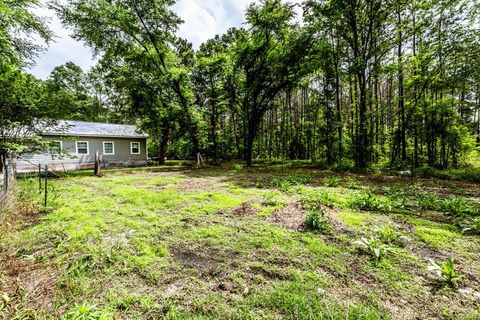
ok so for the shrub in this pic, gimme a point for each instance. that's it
(316, 221)
(427, 201)
(332, 181)
(446, 271)
(373, 246)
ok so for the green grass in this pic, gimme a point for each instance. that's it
(221, 244)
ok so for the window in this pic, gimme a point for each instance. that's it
(135, 147)
(108, 148)
(56, 147)
(82, 147)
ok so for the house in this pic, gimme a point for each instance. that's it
(75, 144)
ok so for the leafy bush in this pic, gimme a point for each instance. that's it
(427, 201)
(85, 312)
(316, 221)
(373, 246)
(446, 271)
(368, 201)
(332, 181)
(457, 206)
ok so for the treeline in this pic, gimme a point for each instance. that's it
(386, 83)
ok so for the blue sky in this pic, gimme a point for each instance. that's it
(203, 20)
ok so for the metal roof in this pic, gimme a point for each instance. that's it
(94, 129)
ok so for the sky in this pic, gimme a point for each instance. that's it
(203, 20)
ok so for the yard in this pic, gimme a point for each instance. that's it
(273, 242)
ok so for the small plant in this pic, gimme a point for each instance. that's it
(239, 168)
(373, 246)
(388, 235)
(427, 201)
(316, 221)
(457, 206)
(351, 183)
(368, 201)
(269, 199)
(85, 312)
(446, 271)
(332, 181)
(284, 183)
(470, 226)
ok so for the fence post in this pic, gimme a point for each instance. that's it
(39, 178)
(6, 178)
(46, 184)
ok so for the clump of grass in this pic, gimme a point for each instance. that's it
(269, 199)
(373, 246)
(446, 271)
(427, 201)
(285, 183)
(351, 183)
(332, 181)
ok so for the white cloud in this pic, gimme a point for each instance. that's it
(203, 20)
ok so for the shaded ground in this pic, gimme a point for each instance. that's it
(231, 244)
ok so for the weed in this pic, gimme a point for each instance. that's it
(470, 226)
(293, 180)
(351, 183)
(86, 312)
(427, 201)
(388, 235)
(368, 201)
(332, 181)
(456, 206)
(373, 246)
(269, 199)
(446, 271)
(316, 221)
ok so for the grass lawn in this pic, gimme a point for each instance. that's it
(231, 243)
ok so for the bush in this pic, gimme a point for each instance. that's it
(446, 271)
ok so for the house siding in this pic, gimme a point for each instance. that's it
(72, 161)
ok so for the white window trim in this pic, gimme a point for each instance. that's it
(139, 147)
(61, 147)
(88, 148)
(113, 148)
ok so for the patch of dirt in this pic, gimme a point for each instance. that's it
(194, 185)
(290, 217)
(203, 261)
(27, 282)
(244, 210)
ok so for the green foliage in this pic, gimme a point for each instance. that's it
(316, 221)
(368, 201)
(457, 206)
(292, 180)
(427, 201)
(86, 312)
(446, 271)
(388, 235)
(332, 181)
(470, 226)
(373, 246)
(351, 183)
